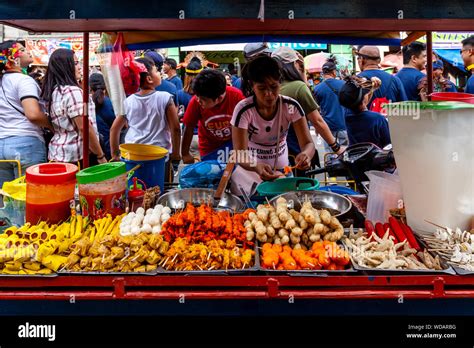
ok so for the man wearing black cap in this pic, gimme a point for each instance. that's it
(165, 85)
(169, 68)
(467, 54)
(392, 89)
(414, 60)
(327, 97)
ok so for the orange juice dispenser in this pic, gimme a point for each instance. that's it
(50, 192)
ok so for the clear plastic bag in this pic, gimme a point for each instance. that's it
(14, 200)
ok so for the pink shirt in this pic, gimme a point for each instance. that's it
(262, 133)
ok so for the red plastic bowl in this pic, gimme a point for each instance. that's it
(453, 96)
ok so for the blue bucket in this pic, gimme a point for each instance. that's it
(152, 172)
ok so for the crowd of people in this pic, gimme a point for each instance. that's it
(267, 110)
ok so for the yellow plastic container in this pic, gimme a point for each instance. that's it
(142, 152)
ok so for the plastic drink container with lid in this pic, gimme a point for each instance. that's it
(102, 190)
(49, 192)
(433, 145)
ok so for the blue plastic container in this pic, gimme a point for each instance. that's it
(152, 172)
(339, 189)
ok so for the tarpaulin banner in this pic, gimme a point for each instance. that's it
(41, 49)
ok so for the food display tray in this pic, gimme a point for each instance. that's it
(253, 269)
(447, 268)
(309, 273)
(456, 268)
(52, 275)
(306, 272)
(94, 273)
(461, 271)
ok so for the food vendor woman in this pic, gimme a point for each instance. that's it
(260, 126)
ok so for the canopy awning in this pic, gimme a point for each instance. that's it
(452, 56)
(162, 39)
(186, 22)
(225, 15)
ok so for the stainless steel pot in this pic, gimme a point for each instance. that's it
(177, 199)
(337, 205)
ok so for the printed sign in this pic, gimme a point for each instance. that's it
(41, 49)
(298, 46)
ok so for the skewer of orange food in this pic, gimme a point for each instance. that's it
(323, 255)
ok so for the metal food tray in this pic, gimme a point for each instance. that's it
(448, 269)
(52, 275)
(457, 269)
(97, 273)
(254, 268)
(306, 272)
(309, 273)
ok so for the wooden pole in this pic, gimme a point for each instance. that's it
(85, 99)
(429, 68)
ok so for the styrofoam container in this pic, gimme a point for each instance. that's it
(433, 143)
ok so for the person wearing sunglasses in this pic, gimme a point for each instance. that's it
(467, 54)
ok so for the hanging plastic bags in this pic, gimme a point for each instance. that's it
(125, 60)
(111, 74)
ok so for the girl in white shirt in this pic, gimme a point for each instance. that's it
(260, 126)
(21, 117)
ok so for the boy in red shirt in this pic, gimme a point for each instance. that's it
(210, 109)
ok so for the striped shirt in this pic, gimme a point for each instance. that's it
(67, 104)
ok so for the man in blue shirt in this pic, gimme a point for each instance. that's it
(467, 54)
(327, 97)
(165, 85)
(414, 60)
(363, 126)
(169, 68)
(392, 89)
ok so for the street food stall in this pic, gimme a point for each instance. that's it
(182, 245)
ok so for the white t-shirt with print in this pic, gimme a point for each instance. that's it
(15, 87)
(147, 122)
(262, 133)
